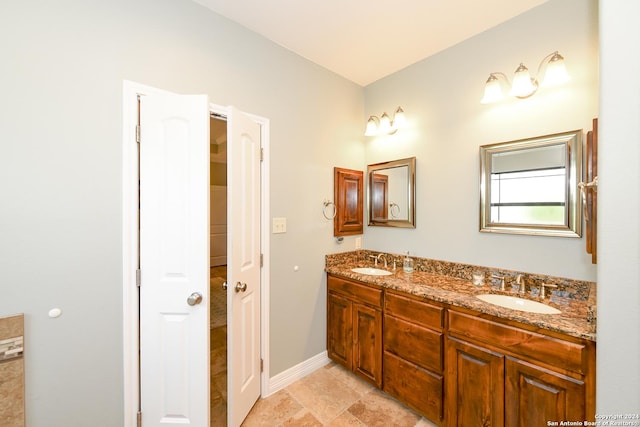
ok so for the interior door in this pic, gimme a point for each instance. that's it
(243, 268)
(174, 260)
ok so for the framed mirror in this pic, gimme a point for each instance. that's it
(392, 193)
(530, 186)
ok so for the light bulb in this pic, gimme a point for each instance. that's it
(385, 124)
(492, 90)
(556, 73)
(399, 120)
(372, 127)
(522, 86)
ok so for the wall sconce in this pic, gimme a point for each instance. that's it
(523, 84)
(384, 124)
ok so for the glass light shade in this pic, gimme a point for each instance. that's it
(522, 84)
(556, 73)
(492, 90)
(399, 120)
(372, 127)
(385, 124)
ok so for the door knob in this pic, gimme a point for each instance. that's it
(241, 287)
(195, 298)
(224, 285)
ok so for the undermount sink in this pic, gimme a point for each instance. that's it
(371, 271)
(516, 303)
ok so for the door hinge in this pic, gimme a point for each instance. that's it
(139, 419)
(138, 278)
(138, 134)
(261, 365)
(261, 154)
(261, 260)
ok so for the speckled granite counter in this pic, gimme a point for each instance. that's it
(450, 283)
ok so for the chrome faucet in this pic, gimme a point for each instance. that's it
(544, 286)
(384, 257)
(522, 289)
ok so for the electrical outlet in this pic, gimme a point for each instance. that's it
(279, 225)
(358, 242)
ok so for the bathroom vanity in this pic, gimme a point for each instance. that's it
(426, 339)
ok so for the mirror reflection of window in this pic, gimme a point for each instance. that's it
(529, 186)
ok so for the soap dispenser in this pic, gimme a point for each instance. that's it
(408, 264)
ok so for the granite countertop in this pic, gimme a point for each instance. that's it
(458, 292)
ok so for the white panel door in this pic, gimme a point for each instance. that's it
(174, 260)
(243, 271)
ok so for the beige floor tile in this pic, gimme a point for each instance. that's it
(345, 419)
(357, 384)
(273, 411)
(323, 394)
(303, 418)
(377, 409)
(425, 423)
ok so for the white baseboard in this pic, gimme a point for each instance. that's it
(293, 374)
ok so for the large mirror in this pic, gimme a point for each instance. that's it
(530, 186)
(392, 193)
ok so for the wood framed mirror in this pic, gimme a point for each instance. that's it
(392, 190)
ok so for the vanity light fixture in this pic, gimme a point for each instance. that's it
(384, 124)
(523, 84)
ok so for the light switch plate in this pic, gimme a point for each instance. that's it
(279, 225)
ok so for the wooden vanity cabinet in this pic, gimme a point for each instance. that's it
(354, 327)
(501, 375)
(414, 353)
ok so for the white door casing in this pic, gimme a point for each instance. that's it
(243, 269)
(174, 260)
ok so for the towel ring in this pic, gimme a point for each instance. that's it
(326, 204)
(394, 210)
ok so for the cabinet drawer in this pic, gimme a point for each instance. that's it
(419, 345)
(531, 345)
(419, 388)
(362, 293)
(414, 311)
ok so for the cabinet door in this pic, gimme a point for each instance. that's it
(339, 337)
(535, 396)
(474, 385)
(349, 199)
(367, 343)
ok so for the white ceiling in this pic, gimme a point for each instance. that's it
(365, 40)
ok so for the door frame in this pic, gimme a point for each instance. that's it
(130, 245)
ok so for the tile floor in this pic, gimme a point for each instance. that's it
(332, 396)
